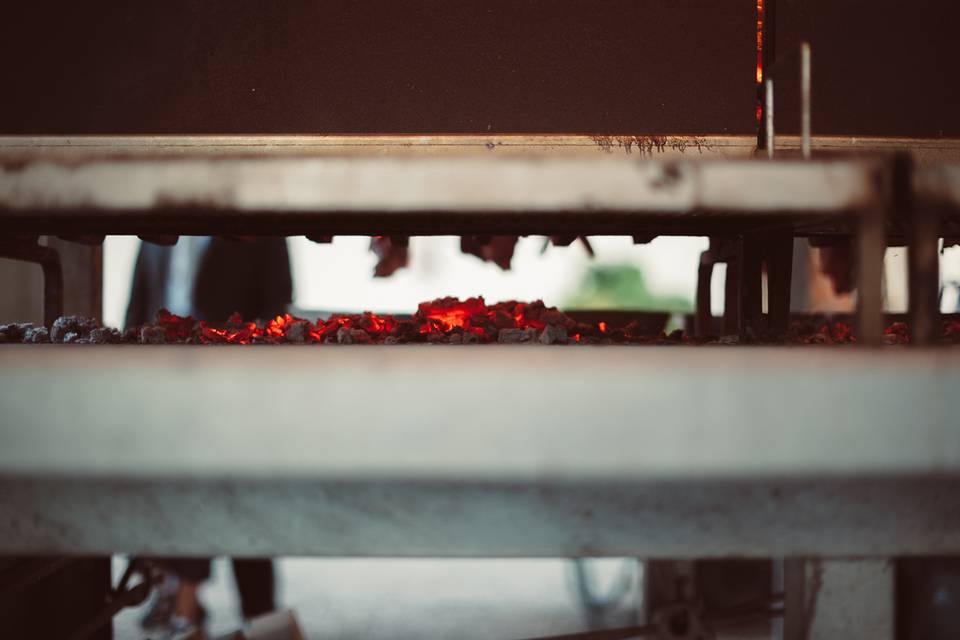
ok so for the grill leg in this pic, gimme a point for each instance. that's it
(871, 246)
(924, 278)
(779, 272)
(57, 604)
(751, 288)
(704, 318)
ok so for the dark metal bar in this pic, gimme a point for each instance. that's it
(704, 317)
(794, 603)
(57, 597)
(731, 296)
(28, 572)
(768, 118)
(123, 596)
(751, 287)
(871, 247)
(779, 258)
(924, 281)
(805, 94)
(82, 268)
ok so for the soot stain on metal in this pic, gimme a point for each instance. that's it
(646, 145)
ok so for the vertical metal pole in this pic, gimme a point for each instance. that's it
(82, 277)
(49, 260)
(794, 599)
(805, 135)
(751, 287)
(924, 276)
(731, 295)
(52, 287)
(779, 257)
(771, 143)
(703, 322)
(871, 247)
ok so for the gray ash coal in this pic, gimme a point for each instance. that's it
(554, 334)
(105, 335)
(442, 321)
(150, 334)
(14, 332)
(65, 330)
(25, 332)
(518, 336)
(36, 335)
(72, 329)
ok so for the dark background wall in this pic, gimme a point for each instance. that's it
(377, 66)
(879, 66)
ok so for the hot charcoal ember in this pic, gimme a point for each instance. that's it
(842, 333)
(442, 321)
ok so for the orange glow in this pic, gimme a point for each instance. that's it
(759, 70)
(759, 41)
(438, 318)
(446, 314)
(444, 318)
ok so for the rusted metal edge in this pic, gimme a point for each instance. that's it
(706, 145)
(369, 195)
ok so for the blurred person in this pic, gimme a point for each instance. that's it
(209, 279)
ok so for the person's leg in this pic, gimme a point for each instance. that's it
(192, 573)
(255, 584)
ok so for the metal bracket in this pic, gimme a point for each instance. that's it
(29, 249)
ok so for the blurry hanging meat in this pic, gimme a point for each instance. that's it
(835, 263)
(392, 252)
(495, 249)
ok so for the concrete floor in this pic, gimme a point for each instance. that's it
(385, 599)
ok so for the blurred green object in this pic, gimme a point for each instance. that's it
(622, 286)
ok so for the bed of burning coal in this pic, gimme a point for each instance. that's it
(441, 321)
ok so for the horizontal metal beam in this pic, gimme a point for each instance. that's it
(308, 517)
(488, 451)
(487, 412)
(35, 147)
(23, 148)
(425, 195)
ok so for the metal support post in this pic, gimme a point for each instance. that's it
(751, 287)
(779, 258)
(850, 599)
(29, 250)
(924, 276)
(703, 325)
(871, 247)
